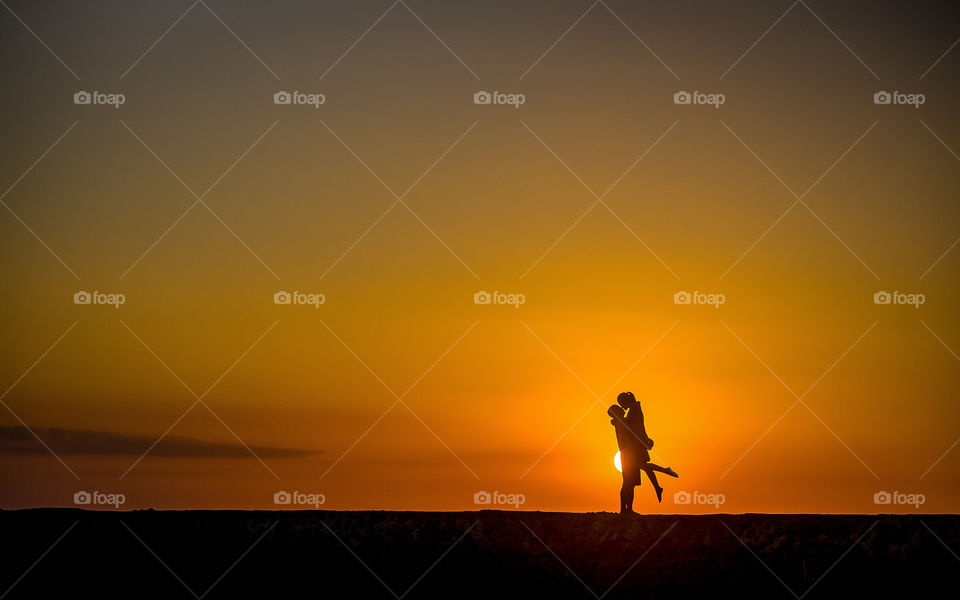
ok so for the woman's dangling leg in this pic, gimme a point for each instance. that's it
(659, 469)
(653, 479)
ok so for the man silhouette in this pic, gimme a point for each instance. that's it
(634, 444)
(628, 458)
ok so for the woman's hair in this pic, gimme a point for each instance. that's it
(625, 397)
(615, 411)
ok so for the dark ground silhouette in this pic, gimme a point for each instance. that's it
(498, 555)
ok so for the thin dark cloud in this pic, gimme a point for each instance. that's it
(19, 441)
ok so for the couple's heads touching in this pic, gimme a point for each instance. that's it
(626, 401)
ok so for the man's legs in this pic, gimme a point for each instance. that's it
(626, 496)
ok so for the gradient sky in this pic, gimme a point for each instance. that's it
(798, 199)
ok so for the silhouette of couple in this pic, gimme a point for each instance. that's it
(627, 419)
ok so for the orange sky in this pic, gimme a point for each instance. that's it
(798, 200)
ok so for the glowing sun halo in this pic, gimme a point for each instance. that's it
(616, 462)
